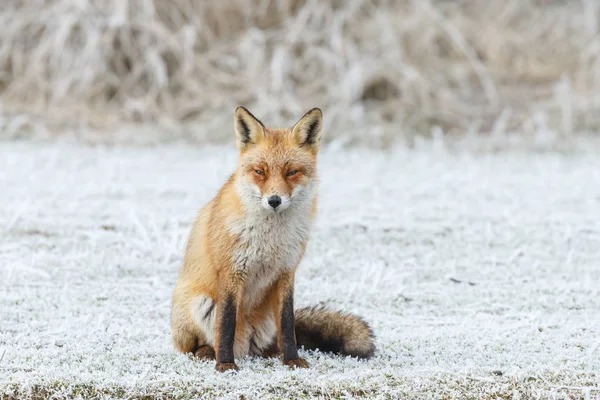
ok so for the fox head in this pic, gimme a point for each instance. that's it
(277, 166)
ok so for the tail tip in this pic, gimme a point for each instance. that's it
(362, 346)
(327, 330)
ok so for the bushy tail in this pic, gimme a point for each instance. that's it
(333, 331)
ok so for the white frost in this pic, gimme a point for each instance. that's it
(463, 265)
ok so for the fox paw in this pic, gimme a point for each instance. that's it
(271, 351)
(297, 363)
(205, 353)
(222, 367)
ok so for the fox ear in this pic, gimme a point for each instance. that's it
(307, 131)
(248, 129)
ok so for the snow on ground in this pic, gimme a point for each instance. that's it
(479, 274)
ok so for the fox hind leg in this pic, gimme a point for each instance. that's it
(263, 336)
(272, 351)
(205, 352)
(192, 325)
(185, 335)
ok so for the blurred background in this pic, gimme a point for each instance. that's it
(383, 71)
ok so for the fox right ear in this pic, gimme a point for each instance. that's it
(248, 129)
(307, 131)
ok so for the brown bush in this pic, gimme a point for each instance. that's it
(381, 70)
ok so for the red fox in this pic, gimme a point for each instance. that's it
(235, 292)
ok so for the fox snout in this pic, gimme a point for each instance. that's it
(275, 202)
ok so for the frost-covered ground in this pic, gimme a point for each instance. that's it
(479, 274)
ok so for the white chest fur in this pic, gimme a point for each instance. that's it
(268, 244)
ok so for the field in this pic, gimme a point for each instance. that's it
(478, 273)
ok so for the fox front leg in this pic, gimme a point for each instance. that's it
(226, 317)
(284, 318)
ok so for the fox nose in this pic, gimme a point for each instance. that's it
(274, 201)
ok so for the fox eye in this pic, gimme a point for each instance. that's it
(258, 172)
(292, 173)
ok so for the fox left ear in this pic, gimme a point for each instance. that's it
(248, 129)
(307, 131)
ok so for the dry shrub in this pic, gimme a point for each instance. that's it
(380, 69)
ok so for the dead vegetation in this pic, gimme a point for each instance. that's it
(381, 69)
